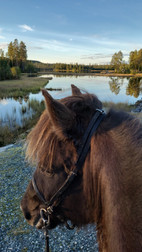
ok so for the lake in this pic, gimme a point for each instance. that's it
(108, 89)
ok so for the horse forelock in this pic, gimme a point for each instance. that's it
(81, 102)
(45, 140)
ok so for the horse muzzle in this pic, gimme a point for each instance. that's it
(50, 221)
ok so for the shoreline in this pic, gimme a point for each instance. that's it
(92, 74)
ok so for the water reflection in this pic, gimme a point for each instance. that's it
(115, 84)
(134, 87)
(14, 112)
(110, 89)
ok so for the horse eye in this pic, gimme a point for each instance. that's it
(49, 174)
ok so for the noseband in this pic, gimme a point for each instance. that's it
(56, 199)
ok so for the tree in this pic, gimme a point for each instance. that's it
(139, 60)
(17, 53)
(1, 54)
(30, 68)
(124, 68)
(5, 72)
(15, 72)
(22, 51)
(117, 60)
(10, 52)
(133, 60)
(22, 55)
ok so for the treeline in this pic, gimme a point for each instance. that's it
(117, 65)
(80, 68)
(71, 68)
(14, 62)
(135, 59)
(133, 66)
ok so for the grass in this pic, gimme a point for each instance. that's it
(21, 87)
(122, 106)
(118, 106)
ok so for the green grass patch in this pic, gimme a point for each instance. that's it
(21, 87)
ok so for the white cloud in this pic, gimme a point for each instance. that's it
(96, 56)
(53, 44)
(26, 28)
(3, 45)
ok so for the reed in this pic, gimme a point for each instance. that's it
(21, 87)
(24, 109)
(11, 132)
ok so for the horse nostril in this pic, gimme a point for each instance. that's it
(28, 216)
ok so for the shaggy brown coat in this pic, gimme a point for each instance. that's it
(110, 193)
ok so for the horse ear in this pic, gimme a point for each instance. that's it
(61, 117)
(75, 90)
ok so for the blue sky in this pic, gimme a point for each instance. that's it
(70, 31)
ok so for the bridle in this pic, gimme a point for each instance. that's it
(56, 199)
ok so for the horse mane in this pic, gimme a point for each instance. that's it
(112, 166)
(44, 140)
(118, 131)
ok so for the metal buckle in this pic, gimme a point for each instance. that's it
(45, 218)
(49, 210)
(100, 110)
(43, 213)
(73, 173)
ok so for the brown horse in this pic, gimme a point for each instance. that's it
(107, 190)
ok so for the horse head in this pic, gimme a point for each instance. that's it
(53, 145)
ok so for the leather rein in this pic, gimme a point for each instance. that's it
(56, 199)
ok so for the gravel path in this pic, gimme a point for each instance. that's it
(15, 233)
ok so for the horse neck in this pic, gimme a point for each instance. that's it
(113, 213)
